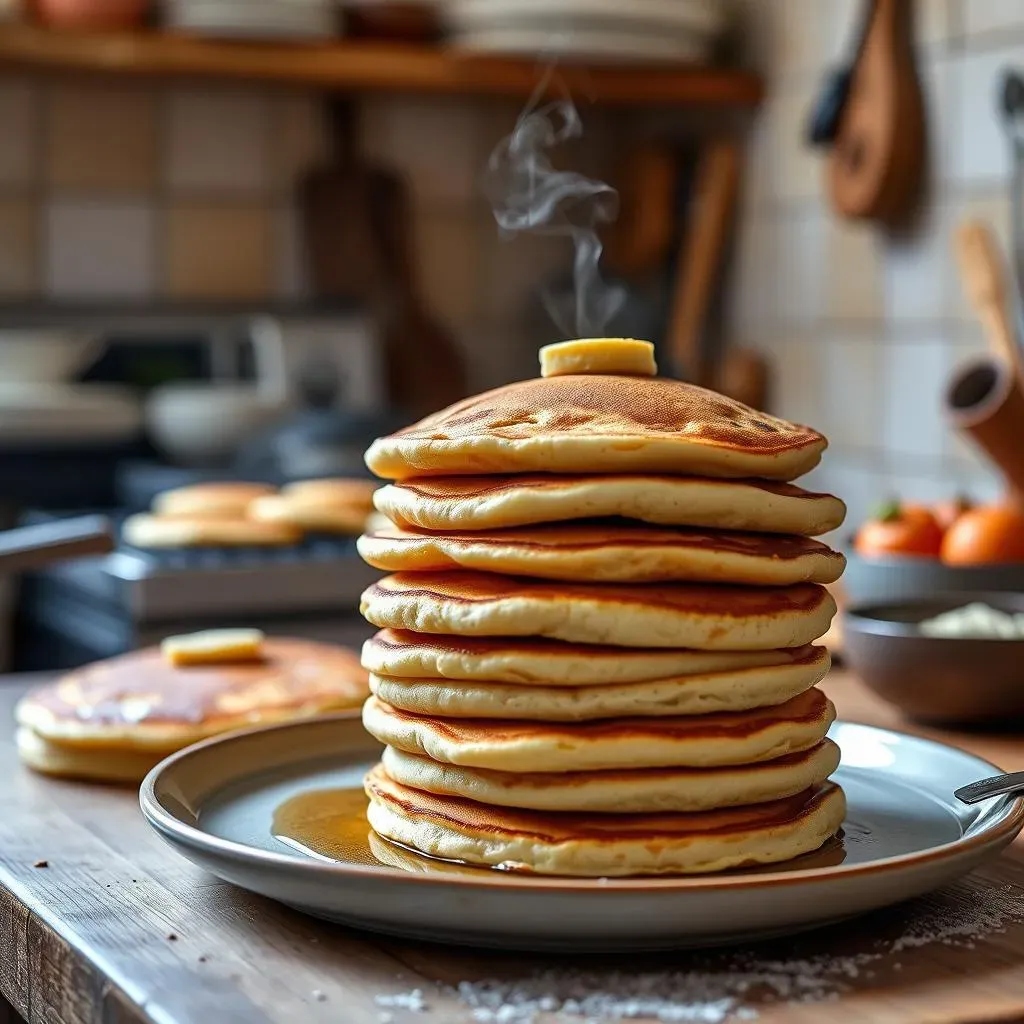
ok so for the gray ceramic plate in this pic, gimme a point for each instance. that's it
(279, 811)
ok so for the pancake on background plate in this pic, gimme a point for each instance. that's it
(456, 503)
(144, 530)
(114, 719)
(603, 846)
(227, 500)
(333, 505)
(609, 552)
(595, 654)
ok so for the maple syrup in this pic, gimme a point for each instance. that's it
(330, 824)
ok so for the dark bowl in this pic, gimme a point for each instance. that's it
(942, 680)
(891, 579)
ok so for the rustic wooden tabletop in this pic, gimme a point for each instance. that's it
(100, 922)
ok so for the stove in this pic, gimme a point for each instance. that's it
(97, 607)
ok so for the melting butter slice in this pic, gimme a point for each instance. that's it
(214, 647)
(598, 355)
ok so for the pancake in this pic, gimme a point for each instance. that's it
(139, 703)
(698, 741)
(704, 616)
(150, 531)
(402, 653)
(62, 760)
(737, 690)
(210, 501)
(309, 516)
(332, 491)
(599, 424)
(603, 846)
(488, 503)
(609, 552)
(640, 791)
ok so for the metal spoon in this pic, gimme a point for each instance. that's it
(1012, 782)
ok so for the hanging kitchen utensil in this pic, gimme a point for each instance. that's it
(425, 369)
(642, 234)
(1012, 108)
(985, 399)
(357, 222)
(334, 199)
(823, 123)
(740, 373)
(983, 273)
(701, 255)
(876, 164)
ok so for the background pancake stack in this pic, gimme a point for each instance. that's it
(597, 649)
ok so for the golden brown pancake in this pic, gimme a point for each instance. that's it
(495, 502)
(609, 845)
(636, 791)
(697, 694)
(139, 703)
(608, 551)
(692, 741)
(599, 424)
(309, 516)
(332, 491)
(209, 501)
(538, 662)
(704, 616)
(156, 531)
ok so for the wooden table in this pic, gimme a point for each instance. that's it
(100, 922)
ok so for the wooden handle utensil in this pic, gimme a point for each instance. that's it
(983, 273)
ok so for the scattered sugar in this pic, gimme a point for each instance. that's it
(412, 1001)
(727, 986)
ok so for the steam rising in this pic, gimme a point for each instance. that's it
(527, 193)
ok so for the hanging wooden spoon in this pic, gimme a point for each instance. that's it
(876, 166)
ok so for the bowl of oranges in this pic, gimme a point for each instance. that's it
(907, 550)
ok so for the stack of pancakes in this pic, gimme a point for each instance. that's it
(596, 656)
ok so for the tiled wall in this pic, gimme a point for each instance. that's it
(126, 191)
(131, 191)
(865, 331)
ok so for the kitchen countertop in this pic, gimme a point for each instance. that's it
(100, 922)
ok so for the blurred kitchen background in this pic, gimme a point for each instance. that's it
(238, 240)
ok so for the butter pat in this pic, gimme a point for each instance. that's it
(599, 355)
(214, 647)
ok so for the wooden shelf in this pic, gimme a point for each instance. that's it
(357, 66)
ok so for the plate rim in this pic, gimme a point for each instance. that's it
(172, 828)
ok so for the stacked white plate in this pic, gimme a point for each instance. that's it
(655, 31)
(255, 19)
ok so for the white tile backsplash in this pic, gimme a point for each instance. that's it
(100, 249)
(19, 138)
(979, 153)
(851, 369)
(438, 142)
(801, 251)
(985, 17)
(917, 271)
(916, 374)
(218, 142)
